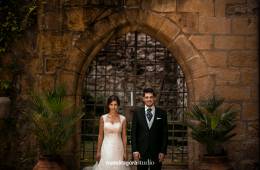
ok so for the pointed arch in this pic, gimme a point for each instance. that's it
(89, 43)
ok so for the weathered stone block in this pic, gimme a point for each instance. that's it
(188, 22)
(255, 90)
(245, 8)
(68, 78)
(236, 9)
(214, 25)
(91, 15)
(34, 66)
(75, 19)
(76, 60)
(252, 42)
(187, 6)
(197, 66)
(51, 21)
(249, 76)
(168, 31)
(243, 59)
(203, 87)
(229, 42)
(118, 19)
(234, 92)
(153, 21)
(240, 131)
(205, 8)
(183, 48)
(160, 5)
(51, 64)
(134, 16)
(253, 128)
(50, 44)
(202, 42)
(86, 41)
(225, 75)
(216, 58)
(244, 25)
(220, 6)
(102, 28)
(71, 3)
(250, 111)
(133, 3)
(253, 7)
(44, 82)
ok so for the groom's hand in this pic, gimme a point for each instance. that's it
(161, 157)
(136, 156)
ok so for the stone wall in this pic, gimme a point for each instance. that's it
(214, 41)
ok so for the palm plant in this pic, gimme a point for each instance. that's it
(211, 124)
(53, 120)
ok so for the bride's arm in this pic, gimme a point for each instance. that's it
(124, 138)
(100, 137)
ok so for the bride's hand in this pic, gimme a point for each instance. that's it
(98, 156)
(125, 157)
(136, 156)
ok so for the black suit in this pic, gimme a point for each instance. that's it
(149, 142)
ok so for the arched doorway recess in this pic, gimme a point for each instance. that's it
(88, 44)
(126, 65)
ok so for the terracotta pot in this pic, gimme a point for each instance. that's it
(215, 163)
(50, 163)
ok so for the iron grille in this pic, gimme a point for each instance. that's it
(124, 67)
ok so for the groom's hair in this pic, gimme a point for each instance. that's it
(148, 90)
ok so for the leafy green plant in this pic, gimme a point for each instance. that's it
(15, 16)
(211, 124)
(53, 119)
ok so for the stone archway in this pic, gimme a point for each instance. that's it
(89, 43)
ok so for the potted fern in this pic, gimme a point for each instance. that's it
(53, 119)
(212, 125)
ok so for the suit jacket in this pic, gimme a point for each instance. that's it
(149, 142)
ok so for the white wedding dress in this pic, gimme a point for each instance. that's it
(112, 149)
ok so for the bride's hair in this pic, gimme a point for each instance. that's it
(111, 99)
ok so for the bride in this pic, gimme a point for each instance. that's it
(112, 139)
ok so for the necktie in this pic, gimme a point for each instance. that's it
(149, 114)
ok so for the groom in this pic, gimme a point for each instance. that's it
(149, 133)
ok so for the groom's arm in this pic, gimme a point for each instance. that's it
(164, 134)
